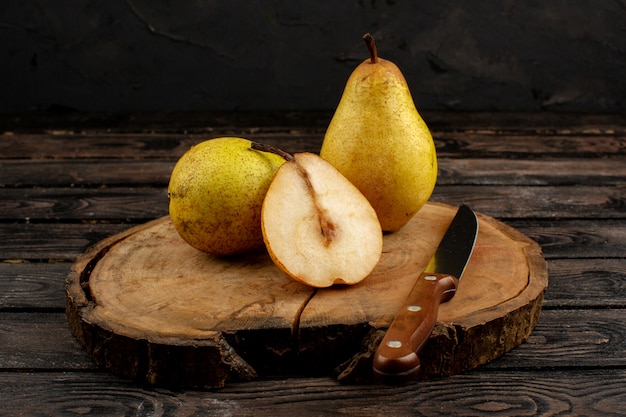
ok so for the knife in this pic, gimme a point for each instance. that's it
(396, 359)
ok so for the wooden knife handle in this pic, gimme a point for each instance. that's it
(397, 356)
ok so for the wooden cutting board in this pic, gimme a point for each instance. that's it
(148, 306)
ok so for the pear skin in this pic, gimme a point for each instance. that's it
(378, 140)
(216, 193)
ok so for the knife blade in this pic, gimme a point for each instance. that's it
(397, 356)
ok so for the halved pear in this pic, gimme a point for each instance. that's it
(318, 228)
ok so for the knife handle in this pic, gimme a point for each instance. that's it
(397, 356)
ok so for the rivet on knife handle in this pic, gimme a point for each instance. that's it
(397, 356)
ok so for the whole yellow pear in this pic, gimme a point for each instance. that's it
(216, 192)
(378, 140)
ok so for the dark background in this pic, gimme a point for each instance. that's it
(166, 55)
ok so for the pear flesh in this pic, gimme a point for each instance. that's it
(216, 192)
(318, 228)
(378, 140)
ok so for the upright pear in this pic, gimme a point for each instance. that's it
(378, 140)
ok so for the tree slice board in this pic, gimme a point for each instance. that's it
(148, 306)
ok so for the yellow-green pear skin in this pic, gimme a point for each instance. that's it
(216, 193)
(378, 140)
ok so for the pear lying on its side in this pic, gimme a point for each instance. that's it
(317, 227)
(378, 140)
(216, 191)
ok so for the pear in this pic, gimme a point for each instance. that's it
(318, 227)
(216, 191)
(378, 140)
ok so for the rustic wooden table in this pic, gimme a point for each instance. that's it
(66, 183)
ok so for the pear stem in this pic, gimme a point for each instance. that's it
(371, 46)
(267, 148)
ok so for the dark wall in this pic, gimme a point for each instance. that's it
(152, 55)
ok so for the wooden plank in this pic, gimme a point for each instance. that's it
(52, 242)
(544, 392)
(479, 171)
(538, 122)
(80, 173)
(70, 204)
(561, 172)
(576, 239)
(511, 145)
(581, 283)
(538, 202)
(39, 341)
(137, 204)
(33, 286)
(450, 144)
(571, 338)
(144, 145)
